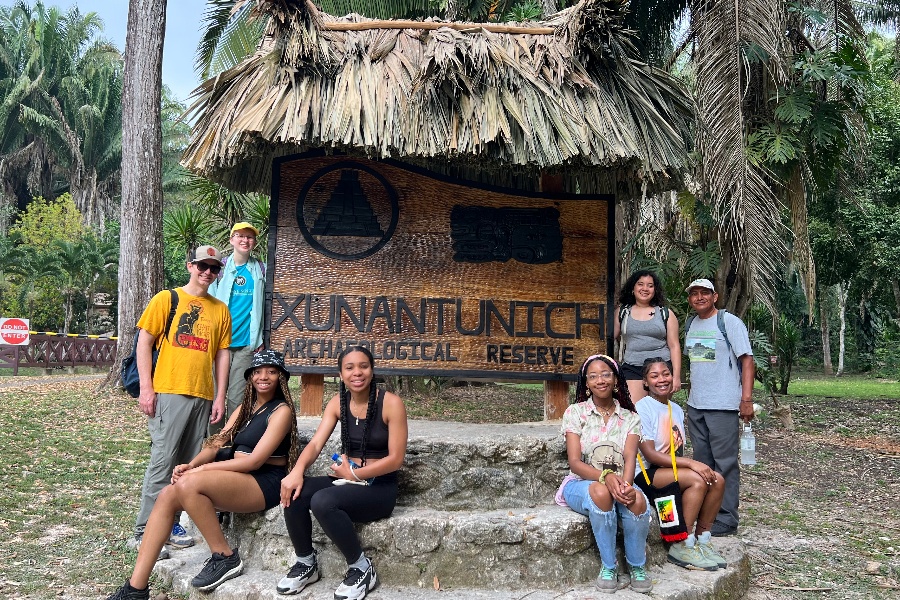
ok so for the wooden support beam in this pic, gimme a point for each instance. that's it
(312, 394)
(556, 393)
(556, 399)
(513, 29)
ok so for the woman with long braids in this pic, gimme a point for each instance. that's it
(602, 432)
(238, 470)
(362, 486)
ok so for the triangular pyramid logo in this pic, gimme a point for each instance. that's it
(348, 211)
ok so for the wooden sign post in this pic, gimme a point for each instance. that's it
(435, 276)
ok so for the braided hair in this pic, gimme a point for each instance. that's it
(245, 412)
(620, 391)
(344, 395)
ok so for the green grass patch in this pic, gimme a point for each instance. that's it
(844, 387)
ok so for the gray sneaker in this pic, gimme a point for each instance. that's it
(607, 581)
(640, 580)
(710, 553)
(690, 557)
(179, 538)
(135, 544)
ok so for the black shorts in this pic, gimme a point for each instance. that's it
(268, 478)
(632, 372)
(641, 482)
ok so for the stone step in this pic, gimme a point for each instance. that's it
(509, 548)
(459, 466)
(670, 583)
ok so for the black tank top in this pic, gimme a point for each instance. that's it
(249, 435)
(378, 432)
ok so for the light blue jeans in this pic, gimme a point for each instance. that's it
(604, 524)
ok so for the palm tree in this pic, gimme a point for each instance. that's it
(62, 111)
(70, 260)
(100, 259)
(12, 261)
(41, 267)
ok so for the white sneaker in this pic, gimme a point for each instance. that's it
(298, 578)
(357, 584)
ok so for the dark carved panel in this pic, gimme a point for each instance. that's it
(484, 234)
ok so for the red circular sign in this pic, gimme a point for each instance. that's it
(14, 331)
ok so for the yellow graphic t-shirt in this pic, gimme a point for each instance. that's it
(200, 328)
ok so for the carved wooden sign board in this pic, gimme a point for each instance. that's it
(435, 276)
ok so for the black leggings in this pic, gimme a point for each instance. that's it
(337, 508)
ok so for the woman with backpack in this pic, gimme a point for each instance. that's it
(646, 328)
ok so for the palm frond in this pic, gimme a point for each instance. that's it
(742, 198)
(575, 99)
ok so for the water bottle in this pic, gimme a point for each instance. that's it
(748, 446)
(336, 458)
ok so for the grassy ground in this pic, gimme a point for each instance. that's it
(817, 508)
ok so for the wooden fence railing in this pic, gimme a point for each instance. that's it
(49, 351)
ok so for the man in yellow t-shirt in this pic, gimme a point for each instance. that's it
(178, 398)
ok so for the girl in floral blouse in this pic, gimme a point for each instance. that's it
(602, 433)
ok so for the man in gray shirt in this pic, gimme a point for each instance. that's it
(722, 373)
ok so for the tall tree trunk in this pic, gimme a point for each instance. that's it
(140, 250)
(895, 286)
(826, 336)
(843, 290)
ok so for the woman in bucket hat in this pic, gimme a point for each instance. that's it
(238, 470)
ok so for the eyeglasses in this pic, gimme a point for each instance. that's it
(202, 267)
(241, 236)
(606, 375)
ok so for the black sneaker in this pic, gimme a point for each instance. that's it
(298, 578)
(126, 592)
(218, 569)
(357, 584)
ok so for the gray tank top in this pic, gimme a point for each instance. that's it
(646, 339)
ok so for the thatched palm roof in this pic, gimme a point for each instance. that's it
(568, 98)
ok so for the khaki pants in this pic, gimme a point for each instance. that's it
(176, 435)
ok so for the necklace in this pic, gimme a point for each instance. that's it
(606, 412)
(357, 418)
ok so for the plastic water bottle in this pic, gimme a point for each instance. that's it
(748, 446)
(337, 460)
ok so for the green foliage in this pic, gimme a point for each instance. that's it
(45, 220)
(526, 10)
(60, 105)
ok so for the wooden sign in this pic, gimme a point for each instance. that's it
(435, 276)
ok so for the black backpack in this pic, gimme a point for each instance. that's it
(131, 380)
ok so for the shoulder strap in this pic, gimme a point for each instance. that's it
(720, 322)
(174, 307)
(624, 311)
(672, 440)
(664, 311)
(687, 324)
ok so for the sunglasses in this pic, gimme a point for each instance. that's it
(202, 267)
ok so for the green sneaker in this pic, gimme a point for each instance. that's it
(607, 581)
(710, 553)
(690, 558)
(640, 581)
